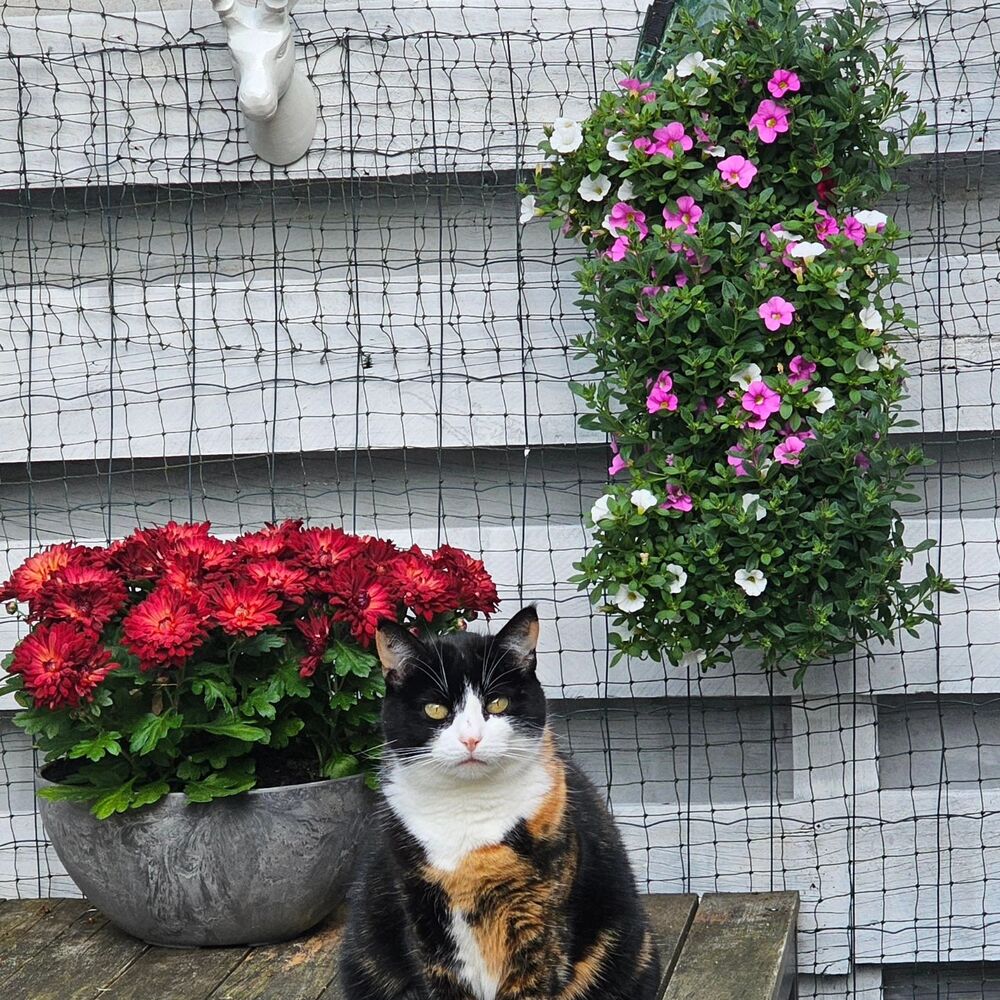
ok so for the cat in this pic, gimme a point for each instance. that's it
(497, 872)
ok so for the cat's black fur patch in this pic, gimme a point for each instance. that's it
(563, 889)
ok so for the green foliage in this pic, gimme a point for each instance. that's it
(823, 530)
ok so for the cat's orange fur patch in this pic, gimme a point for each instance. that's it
(587, 973)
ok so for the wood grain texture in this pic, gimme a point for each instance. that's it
(175, 974)
(671, 918)
(29, 927)
(741, 946)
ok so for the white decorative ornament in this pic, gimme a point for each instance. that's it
(567, 135)
(753, 500)
(870, 318)
(628, 600)
(824, 399)
(601, 511)
(276, 98)
(866, 361)
(643, 500)
(594, 187)
(527, 209)
(871, 220)
(745, 376)
(679, 575)
(618, 147)
(752, 581)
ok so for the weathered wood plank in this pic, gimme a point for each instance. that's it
(176, 974)
(671, 918)
(295, 970)
(77, 963)
(740, 947)
(29, 926)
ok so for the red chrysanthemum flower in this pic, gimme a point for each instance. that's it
(29, 578)
(360, 600)
(87, 595)
(473, 588)
(244, 608)
(418, 584)
(164, 630)
(61, 665)
(273, 541)
(284, 581)
(315, 629)
(145, 554)
(324, 549)
(380, 553)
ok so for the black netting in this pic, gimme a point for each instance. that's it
(370, 338)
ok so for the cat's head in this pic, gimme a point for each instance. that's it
(466, 705)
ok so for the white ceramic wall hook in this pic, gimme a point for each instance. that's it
(275, 96)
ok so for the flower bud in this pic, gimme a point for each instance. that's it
(11, 607)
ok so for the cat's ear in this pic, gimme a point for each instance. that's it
(519, 637)
(398, 649)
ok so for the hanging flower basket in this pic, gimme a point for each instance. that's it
(743, 339)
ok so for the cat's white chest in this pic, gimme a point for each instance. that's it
(469, 960)
(451, 819)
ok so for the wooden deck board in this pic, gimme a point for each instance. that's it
(730, 947)
(741, 946)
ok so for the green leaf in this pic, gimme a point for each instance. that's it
(146, 795)
(98, 747)
(151, 730)
(68, 793)
(232, 781)
(347, 659)
(243, 731)
(341, 766)
(115, 801)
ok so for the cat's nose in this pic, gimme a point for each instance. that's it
(470, 742)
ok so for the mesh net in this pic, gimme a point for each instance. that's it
(370, 338)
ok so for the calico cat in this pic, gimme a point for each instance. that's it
(497, 872)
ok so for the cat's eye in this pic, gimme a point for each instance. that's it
(436, 712)
(498, 705)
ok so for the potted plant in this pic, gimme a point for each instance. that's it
(744, 337)
(208, 709)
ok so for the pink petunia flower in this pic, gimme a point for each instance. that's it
(660, 397)
(776, 312)
(788, 451)
(734, 458)
(801, 370)
(677, 499)
(618, 249)
(769, 120)
(827, 226)
(737, 170)
(637, 88)
(783, 81)
(687, 215)
(853, 230)
(671, 139)
(680, 279)
(624, 215)
(761, 400)
(862, 461)
(618, 464)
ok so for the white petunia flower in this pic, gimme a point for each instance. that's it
(594, 187)
(601, 510)
(693, 659)
(871, 220)
(693, 61)
(765, 467)
(870, 318)
(618, 147)
(777, 233)
(717, 151)
(753, 500)
(745, 376)
(626, 192)
(527, 208)
(567, 135)
(866, 361)
(680, 577)
(628, 600)
(643, 500)
(889, 360)
(752, 581)
(824, 399)
(806, 251)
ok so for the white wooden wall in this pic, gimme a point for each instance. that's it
(138, 326)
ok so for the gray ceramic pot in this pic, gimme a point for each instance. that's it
(259, 867)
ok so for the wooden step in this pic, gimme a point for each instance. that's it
(730, 947)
